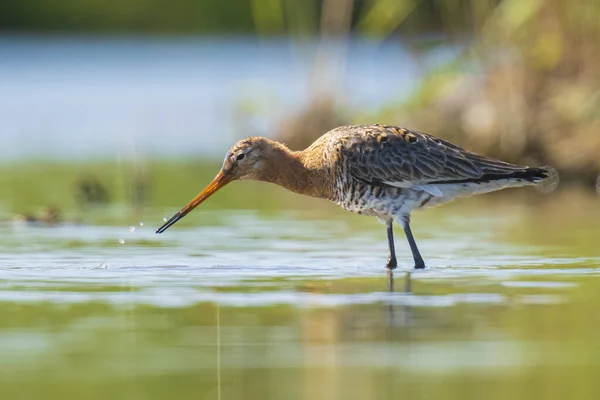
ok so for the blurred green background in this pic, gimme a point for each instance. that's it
(249, 17)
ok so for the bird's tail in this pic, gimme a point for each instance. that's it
(545, 179)
(532, 174)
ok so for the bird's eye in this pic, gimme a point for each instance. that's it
(240, 156)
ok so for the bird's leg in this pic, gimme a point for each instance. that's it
(391, 262)
(419, 263)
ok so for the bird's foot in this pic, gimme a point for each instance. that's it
(391, 263)
(420, 264)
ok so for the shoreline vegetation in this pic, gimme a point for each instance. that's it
(526, 90)
(116, 193)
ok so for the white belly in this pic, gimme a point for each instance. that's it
(393, 202)
(444, 193)
(386, 203)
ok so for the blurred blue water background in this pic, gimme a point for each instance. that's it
(97, 97)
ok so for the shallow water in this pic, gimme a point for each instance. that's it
(295, 303)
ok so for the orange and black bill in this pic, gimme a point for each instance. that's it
(220, 180)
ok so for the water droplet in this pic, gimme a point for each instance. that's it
(122, 241)
(164, 219)
(132, 229)
(141, 224)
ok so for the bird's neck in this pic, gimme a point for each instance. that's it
(301, 172)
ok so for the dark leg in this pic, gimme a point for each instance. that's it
(419, 263)
(391, 262)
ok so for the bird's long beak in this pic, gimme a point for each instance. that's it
(220, 180)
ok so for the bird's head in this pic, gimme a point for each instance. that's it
(247, 159)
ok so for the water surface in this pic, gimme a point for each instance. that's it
(293, 302)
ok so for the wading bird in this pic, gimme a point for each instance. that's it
(375, 170)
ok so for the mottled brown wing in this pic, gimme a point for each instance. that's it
(399, 157)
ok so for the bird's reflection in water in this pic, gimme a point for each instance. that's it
(407, 281)
(405, 314)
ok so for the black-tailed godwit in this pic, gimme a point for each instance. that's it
(376, 170)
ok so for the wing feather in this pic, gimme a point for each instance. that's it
(382, 154)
